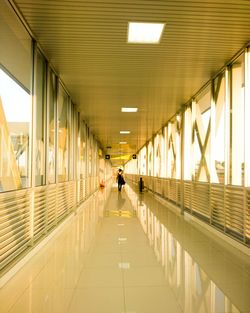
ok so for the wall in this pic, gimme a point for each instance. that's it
(49, 160)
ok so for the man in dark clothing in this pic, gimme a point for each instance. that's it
(120, 180)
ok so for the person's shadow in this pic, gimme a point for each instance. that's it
(120, 201)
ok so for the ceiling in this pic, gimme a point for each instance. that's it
(86, 41)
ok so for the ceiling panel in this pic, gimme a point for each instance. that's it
(86, 41)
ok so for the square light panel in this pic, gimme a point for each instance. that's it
(132, 110)
(145, 32)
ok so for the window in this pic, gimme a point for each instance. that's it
(83, 151)
(237, 122)
(174, 147)
(201, 110)
(16, 46)
(218, 131)
(15, 129)
(62, 161)
(150, 159)
(40, 110)
(157, 155)
(51, 127)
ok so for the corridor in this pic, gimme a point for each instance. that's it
(128, 253)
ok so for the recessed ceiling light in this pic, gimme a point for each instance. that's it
(124, 265)
(145, 32)
(122, 142)
(124, 131)
(129, 110)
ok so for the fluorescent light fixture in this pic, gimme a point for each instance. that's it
(145, 32)
(122, 239)
(129, 110)
(122, 142)
(124, 131)
(124, 265)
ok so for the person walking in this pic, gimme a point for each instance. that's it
(120, 180)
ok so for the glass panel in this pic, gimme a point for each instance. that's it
(71, 141)
(188, 155)
(201, 138)
(174, 148)
(237, 123)
(163, 150)
(63, 150)
(51, 127)
(16, 46)
(90, 152)
(15, 129)
(178, 146)
(139, 163)
(40, 80)
(157, 156)
(171, 151)
(219, 131)
(94, 158)
(247, 124)
(143, 155)
(197, 157)
(150, 159)
(83, 152)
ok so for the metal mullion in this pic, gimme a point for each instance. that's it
(193, 120)
(77, 159)
(69, 129)
(48, 86)
(246, 138)
(214, 96)
(33, 141)
(56, 145)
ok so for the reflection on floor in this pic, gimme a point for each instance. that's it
(127, 253)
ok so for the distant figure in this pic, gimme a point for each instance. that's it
(120, 180)
(102, 184)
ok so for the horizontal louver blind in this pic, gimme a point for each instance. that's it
(40, 212)
(247, 222)
(200, 199)
(51, 206)
(178, 192)
(172, 190)
(165, 184)
(217, 205)
(187, 195)
(158, 186)
(234, 211)
(14, 224)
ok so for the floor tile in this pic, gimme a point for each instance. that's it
(97, 300)
(100, 277)
(151, 299)
(103, 260)
(51, 300)
(144, 276)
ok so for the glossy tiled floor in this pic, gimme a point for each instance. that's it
(131, 255)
